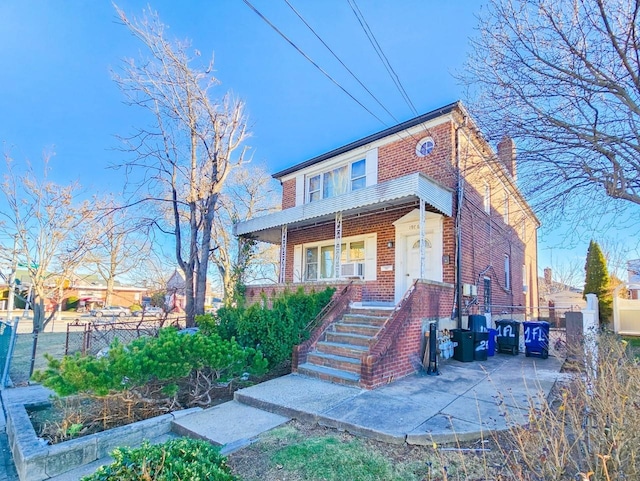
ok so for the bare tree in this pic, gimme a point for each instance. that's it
(562, 77)
(118, 246)
(565, 273)
(48, 222)
(248, 193)
(188, 154)
(616, 253)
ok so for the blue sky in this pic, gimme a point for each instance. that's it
(57, 91)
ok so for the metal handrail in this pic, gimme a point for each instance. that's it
(393, 323)
(326, 309)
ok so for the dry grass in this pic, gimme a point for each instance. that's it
(590, 429)
(299, 452)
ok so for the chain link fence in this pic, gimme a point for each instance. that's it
(95, 337)
(89, 337)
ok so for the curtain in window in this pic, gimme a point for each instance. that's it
(335, 182)
(326, 267)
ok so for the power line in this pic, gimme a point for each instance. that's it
(341, 62)
(311, 61)
(383, 58)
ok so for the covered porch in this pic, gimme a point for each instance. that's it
(384, 236)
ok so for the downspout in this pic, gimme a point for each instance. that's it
(460, 197)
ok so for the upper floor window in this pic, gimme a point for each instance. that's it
(487, 198)
(507, 273)
(338, 181)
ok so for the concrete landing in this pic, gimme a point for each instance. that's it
(231, 425)
(466, 401)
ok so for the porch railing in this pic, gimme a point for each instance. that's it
(380, 344)
(332, 311)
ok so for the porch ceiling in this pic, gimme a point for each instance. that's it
(391, 193)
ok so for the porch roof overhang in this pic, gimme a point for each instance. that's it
(394, 192)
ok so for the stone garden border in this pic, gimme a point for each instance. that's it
(36, 461)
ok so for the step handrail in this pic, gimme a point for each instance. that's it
(382, 341)
(336, 307)
(330, 305)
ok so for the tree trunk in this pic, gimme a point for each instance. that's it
(108, 299)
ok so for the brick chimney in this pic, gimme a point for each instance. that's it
(548, 276)
(507, 155)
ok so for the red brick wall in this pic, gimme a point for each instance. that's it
(254, 293)
(486, 239)
(383, 288)
(399, 158)
(289, 194)
(399, 348)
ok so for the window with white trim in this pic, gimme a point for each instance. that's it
(525, 288)
(507, 273)
(337, 181)
(319, 259)
(487, 198)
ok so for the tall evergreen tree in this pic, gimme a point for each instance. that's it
(597, 281)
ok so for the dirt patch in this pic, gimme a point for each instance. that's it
(476, 460)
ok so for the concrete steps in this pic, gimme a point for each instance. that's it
(337, 357)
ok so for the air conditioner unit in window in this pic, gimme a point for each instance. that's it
(352, 269)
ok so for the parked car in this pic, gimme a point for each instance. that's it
(217, 304)
(149, 311)
(116, 311)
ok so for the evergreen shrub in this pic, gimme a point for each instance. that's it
(273, 326)
(165, 359)
(187, 459)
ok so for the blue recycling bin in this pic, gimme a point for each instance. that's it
(491, 343)
(536, 339)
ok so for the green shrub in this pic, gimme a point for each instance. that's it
(158, 299)
(272, 330)
(167, 359)
(72, 303)
(187, 459)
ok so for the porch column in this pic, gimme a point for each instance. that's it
(283, 254)
(338, 244)
(422, 240)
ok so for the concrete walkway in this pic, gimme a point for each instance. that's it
(466, 401)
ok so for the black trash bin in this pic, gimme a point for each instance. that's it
(508, 336)
(463, 345)
(477, 323)
(480, 346)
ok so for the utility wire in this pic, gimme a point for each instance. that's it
(341, 62)
(312, 62)
(383, 58)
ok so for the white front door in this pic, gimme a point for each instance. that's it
(412, 262)
(407, 255)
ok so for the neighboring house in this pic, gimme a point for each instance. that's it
(633, 278)
(90, 290)
(626, 312)
(556, 298)
(390, 215)
(175, 298)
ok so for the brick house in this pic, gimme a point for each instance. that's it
(389, 216)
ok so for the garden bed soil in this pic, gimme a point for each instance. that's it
(76, 416)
